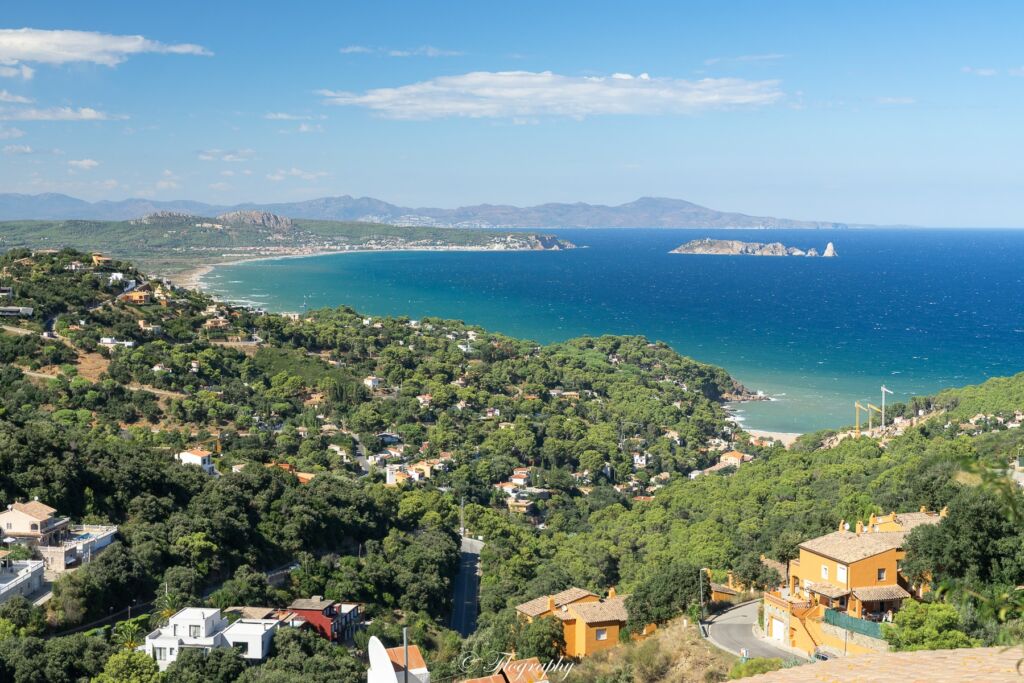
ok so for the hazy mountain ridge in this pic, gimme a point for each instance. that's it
(646, 212)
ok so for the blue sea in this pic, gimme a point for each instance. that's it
(916, 310)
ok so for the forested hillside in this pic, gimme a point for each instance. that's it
(91, 417)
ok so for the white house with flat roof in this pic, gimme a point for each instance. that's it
(205, 629)
(19, 577)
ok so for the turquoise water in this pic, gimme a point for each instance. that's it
(917, 310)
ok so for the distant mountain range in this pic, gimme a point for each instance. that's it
(646, 212)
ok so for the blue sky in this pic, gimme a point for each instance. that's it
(859, 112)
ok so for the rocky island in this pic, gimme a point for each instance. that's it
(712, 247)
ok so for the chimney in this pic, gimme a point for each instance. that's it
(872, 519)
(860, 527)
(611, 592)
(944, 512)
(551, 604)
(924, 508)
(842, 524)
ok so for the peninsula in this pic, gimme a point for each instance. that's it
(171, 242)
(712, 247)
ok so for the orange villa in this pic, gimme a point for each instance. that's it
(843, 584)
(589, 623)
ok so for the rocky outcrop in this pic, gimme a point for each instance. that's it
(260, 219)
(830, 251)
(712, 247)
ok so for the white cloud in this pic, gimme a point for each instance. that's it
(522, 94)
(11, 133)
(17, 71)
(53, 114)
(168, 181)
(744, 58)
(17, 149)
(39, 46)
(231, 155)
(8, 96)
(227, 174)
(895, 101)
(83, 164)
(425, 51)
(284, 116)
(220, 186)
(1018, 71)
(109, 184)
(293, 172)
(979, 71)
(422, 51)
(310, 128)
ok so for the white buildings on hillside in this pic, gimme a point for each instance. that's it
(198, 457)
(19, 577)
(206, 629)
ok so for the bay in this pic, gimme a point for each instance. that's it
(918, 310)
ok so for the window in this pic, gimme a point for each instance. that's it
(193, 631)
(159, 653)
(824, 571)
(841, 573)
(8, 525)
(602, 634)
(881, 573)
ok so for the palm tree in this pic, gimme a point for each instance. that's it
(128, 634)
(167, 605)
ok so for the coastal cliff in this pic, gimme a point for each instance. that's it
(712, 247)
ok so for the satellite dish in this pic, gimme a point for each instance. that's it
(381, 668)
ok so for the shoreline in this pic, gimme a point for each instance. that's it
(787, 438)
(192, 278)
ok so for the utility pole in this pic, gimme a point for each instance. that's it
(405, 648)
(700, 583)
(462, 517)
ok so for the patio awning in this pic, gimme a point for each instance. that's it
(873, 593)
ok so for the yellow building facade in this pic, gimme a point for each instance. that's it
(843, 583)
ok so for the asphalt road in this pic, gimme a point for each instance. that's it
(733, 631)
(467, 588)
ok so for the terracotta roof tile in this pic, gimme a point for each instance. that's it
(828, 590)
(397, 657)
(880, 593)
(538, 606)
(35, 509)
(847, 546)
(610, 609)
(989, 664)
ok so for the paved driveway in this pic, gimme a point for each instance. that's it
(733, 631)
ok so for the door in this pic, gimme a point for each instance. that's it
(778, 630)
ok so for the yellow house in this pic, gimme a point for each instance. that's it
(847, 580)
(589, 623)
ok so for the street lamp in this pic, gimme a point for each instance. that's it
(700, 583)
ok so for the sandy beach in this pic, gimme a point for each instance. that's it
(787, 438)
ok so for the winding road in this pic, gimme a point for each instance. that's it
(733, 631)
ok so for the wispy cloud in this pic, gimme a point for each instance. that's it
(230, 155)
(895, 101)
(53, 114)
(1016, 71)
(8, 96)
(17, 149)
(219, 186)
(22, 46)
(740, 59)
(284, 116)
(11, 133)
(169, 181)
(83, 164)
(421, 51)
(984, 71)
(282, 174)
(309, 128)
(17, 71)
(524, 94)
